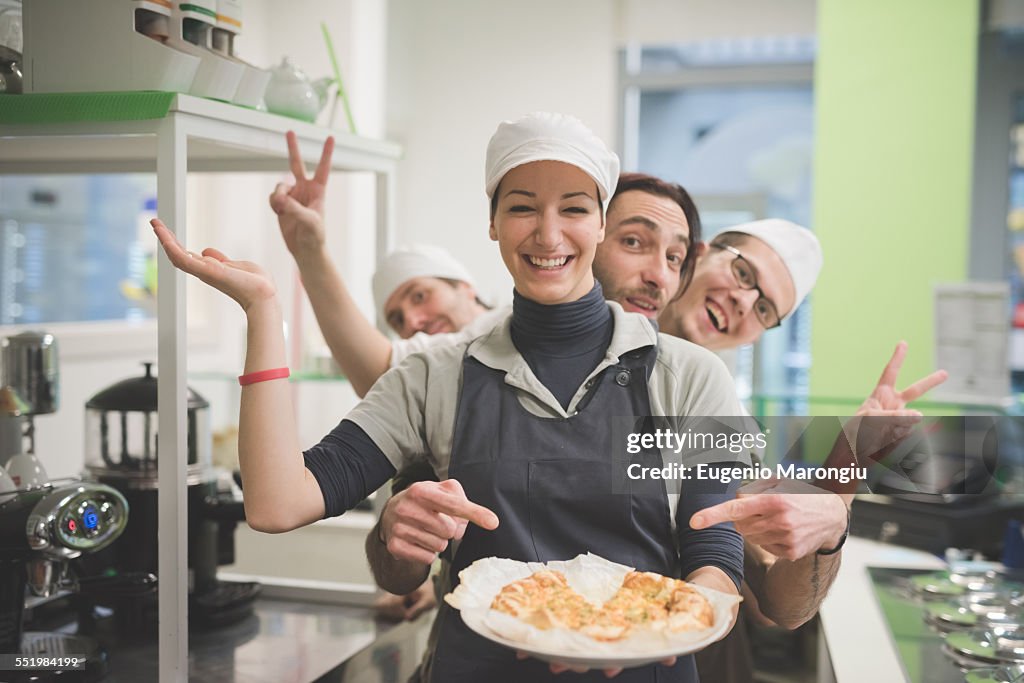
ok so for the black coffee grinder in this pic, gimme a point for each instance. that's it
(122, 451)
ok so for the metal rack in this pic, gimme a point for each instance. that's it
(190, 134)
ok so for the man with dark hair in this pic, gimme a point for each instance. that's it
(647, 254)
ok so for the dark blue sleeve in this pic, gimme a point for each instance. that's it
(349, 466)
(717, 546)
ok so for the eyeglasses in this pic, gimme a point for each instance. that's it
(746, 278)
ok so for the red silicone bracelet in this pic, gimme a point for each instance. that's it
(263, 376)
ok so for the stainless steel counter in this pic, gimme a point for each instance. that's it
(284, 641)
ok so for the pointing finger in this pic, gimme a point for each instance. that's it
(729, 511)
(454, 502)
(471, 512)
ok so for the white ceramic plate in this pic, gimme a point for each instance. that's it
(597, 579)
(475, 621)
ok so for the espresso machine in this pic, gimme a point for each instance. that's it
(44, 526)
(122, 452)
(41, 530)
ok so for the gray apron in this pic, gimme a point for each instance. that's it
(549, 480)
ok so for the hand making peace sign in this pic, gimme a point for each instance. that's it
(886, 398)
(883, 419)
(300, 207)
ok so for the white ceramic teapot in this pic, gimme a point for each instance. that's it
(291, 93)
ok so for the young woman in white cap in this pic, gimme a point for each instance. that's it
(516, 424)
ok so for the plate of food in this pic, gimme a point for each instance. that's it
(589, 611)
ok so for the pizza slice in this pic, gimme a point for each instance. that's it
(644, 601)
(660, 602)
(545, 600)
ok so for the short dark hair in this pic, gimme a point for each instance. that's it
(677, 193)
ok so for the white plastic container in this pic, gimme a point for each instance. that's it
(192, 23)
(228, 27)
(75, 46)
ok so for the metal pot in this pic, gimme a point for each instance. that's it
(121, 444)
(11, 79)
(28, 364)
(12, 424)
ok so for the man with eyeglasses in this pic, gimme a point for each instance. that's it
(748, 280)
(752, 277)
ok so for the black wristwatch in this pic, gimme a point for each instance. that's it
(842, 539)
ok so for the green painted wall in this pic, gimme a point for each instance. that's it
(894, 96)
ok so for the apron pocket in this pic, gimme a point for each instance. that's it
(573, 511)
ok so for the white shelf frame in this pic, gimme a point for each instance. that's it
(205, 136)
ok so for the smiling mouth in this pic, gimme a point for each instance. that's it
(717, 316)
(643, 305)
(548, 263)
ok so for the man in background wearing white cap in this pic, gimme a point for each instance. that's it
(423, 290)
(754, 276)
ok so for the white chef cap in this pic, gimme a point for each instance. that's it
(544, 136)
(419, 260)
(798, 248)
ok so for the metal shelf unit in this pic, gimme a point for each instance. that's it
(194, 134)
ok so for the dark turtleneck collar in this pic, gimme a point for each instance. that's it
(562, 343)
(561, 329)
